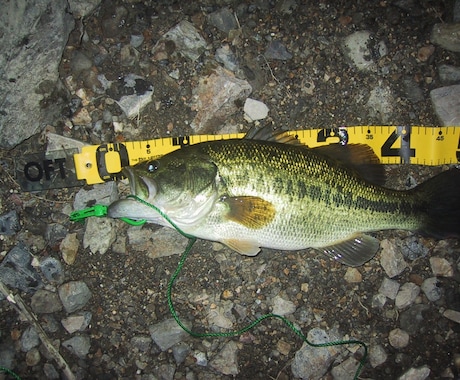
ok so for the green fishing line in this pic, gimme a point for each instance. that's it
(192, 240)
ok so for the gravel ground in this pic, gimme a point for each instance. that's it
(292, 54)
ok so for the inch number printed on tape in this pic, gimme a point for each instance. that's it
(101, 163)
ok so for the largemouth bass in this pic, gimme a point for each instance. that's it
(267, 190)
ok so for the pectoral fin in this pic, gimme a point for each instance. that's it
(251, 212)
(354, 251)
(245, 247)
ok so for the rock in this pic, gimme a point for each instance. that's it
(447, 36)
(82, 8)
(141, 95)
(226, 56)
(313, 362)
(69, 248)
(215, 98)
(226, 361)
(353, 276)
(223, 19)
(6, 355)
(441, 267)
(221, 315)
(254, 110)
(446, 102)
(345, 370)
(391, 258)
(453, 315)
(74, 295)
(356, 49)
(377, 355)
(283, 347)
(420, 373)
(449, 73)
(283, 307)
(431, 290)
(78, 345)
(389, 288)
(398, 338)
(100, 234)
(34, 35)
(411, 319)
(165, 372)
(186, 41)
(113, 20)
(380, 104)
(277, 50)
(44, 301)
(33, 357)
(50, 372)
(378, 301)
(413, 248)
(407, 295)
(77, 322)
(168, 333)
(180, 352)
(142, 343)
(29, 339)
(52, 270)
(16, 271)
(425, 52)
(9, 223)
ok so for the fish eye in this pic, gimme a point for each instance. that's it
(153, 166)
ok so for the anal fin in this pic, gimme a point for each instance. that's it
(354, 251)
(245, 247)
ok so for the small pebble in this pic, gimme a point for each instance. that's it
(420, 373)
(453, 315)
(353, 275)
(398, 338)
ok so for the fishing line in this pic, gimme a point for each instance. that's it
(192, 240)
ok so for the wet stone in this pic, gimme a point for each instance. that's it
(226, 361)
(29, 339)
(431, 290)
(407, 295)
(74, 295)
(78, 345)
(44, 301)
(52, 270)
(391, 259)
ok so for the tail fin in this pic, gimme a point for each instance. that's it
(441, 194)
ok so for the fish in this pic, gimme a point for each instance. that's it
(267, 190)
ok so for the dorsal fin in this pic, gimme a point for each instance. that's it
(266, 133)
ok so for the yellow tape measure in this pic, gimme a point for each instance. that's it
(392, 144)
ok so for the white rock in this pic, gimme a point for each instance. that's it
(356, 47)
(407, 295)
(282, 306)
(398, 338)
(254, 110)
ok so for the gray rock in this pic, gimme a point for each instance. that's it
(345, 370)
(447, 36)
(313, 362)
(226, 361)
(77, 322)
(226, 56)
(449, 73)
(277, 50)
(7, 355)
(377, 355)
(453, 315)
(420, 373)
(29, 339)
(103, 194)
(407, 295)
(9, 223)
(80, 62)
(431, 290)
(180, 352)
(446, 102)
(398, 338)
(34, 34)
(16, 271)
(378, 301)
(456, 17)
(389, 288)
(141, 93)
(74, 295)
(168, 333)
(44, 301)
(78, 345)
(52, 270)
(50, 372)
(391, 258)
(221, 316)
(412, 248)
(223, 19)
(165, 372)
